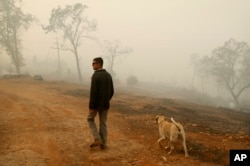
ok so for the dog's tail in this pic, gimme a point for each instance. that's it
(180, 128)
(182, 132)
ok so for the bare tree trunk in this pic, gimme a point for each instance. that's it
(112, 65)
(78, 66)
(58, 56)
(202, 85)
(16, 57)
(235, 98)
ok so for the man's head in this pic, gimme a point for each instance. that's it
(97, 63)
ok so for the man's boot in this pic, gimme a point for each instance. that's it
(96, 143)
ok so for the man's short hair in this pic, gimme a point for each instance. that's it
(98, 60)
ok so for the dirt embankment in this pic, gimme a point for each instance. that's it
(44, 123)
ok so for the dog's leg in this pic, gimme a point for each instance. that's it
(166, 147)
(182, 131)
(185, 148)
(171, 149)
(159, 140)
(171, 145)
(184, 142)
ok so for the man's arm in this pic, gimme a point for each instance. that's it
(93, 93)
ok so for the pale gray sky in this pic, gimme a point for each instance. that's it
(162, 33)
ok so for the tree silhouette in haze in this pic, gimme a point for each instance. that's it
(73, 25)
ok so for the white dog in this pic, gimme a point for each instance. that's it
(170, 131)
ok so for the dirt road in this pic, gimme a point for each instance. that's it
(44, 123)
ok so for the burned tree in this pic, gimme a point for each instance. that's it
(230, 66)
(112, 50)
(13, 23)
(73, 25)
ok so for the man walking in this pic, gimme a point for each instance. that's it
(101, 92)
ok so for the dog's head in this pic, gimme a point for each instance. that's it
(159, 119)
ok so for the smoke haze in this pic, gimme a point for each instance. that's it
(162, 34)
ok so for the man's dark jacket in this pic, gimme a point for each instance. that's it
(101, 90)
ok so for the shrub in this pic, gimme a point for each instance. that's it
(132, 80)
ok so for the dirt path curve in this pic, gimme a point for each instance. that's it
(44, 123)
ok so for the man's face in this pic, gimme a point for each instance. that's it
(96, 65)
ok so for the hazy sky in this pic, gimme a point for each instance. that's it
(162, 33)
